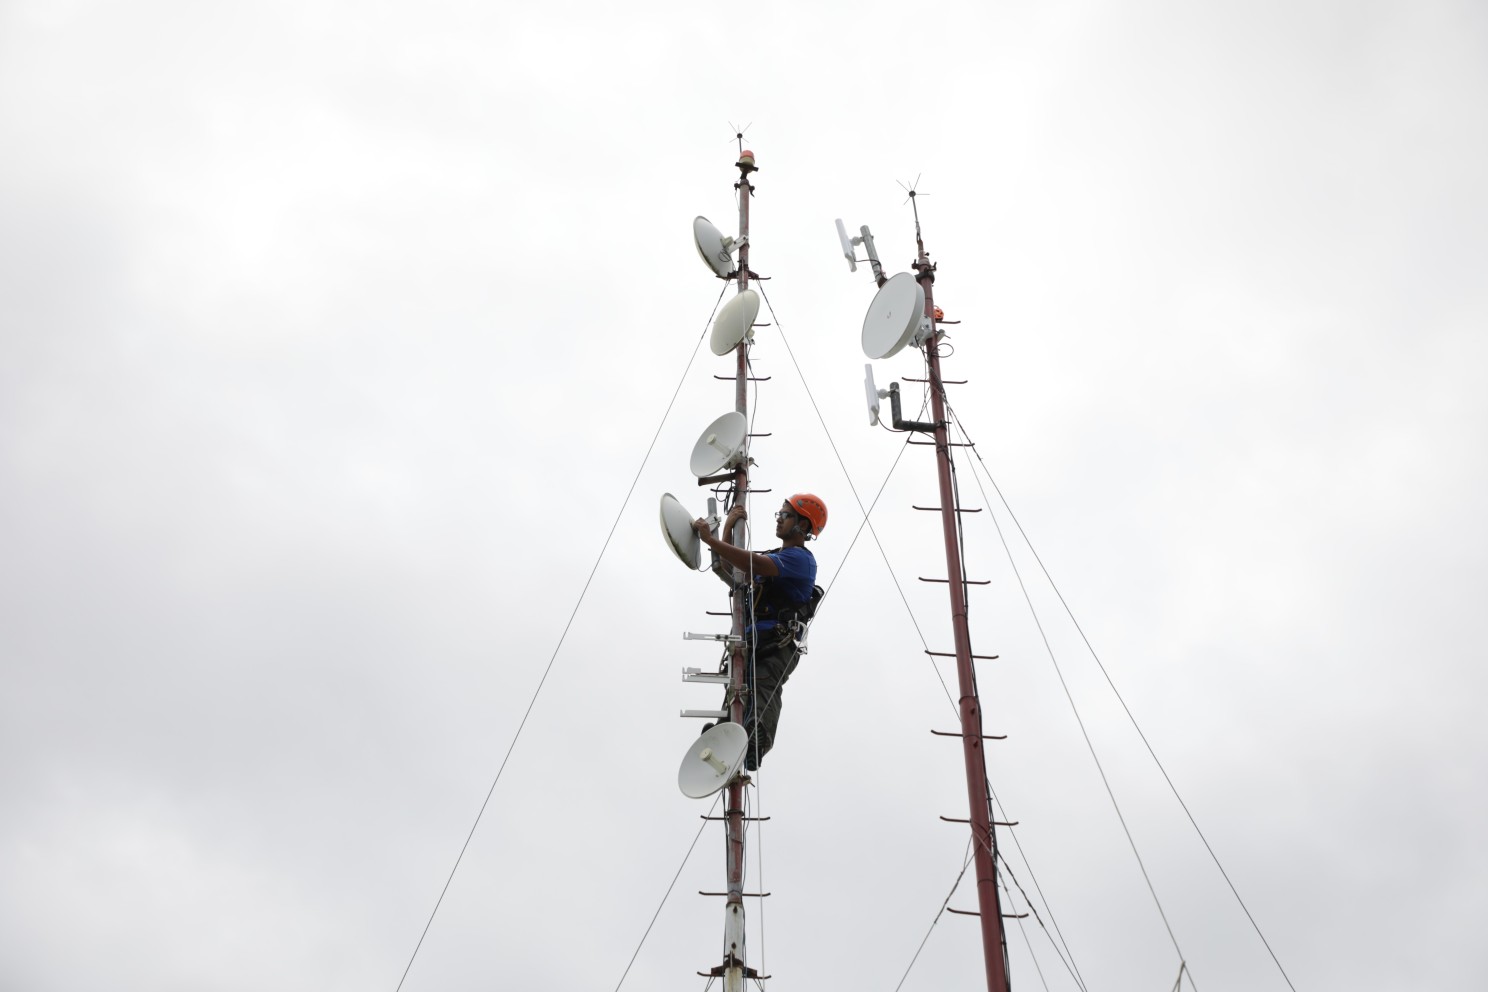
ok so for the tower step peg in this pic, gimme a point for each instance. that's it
(706, 714)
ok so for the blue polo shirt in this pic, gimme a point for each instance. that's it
(791, 587)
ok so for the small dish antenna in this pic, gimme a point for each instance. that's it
(715, 250)
(847, 247)
(712, 761)
(676, 527)
(735, 322)
(720, 446)
(894, 317)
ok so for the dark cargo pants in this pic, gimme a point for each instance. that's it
(775, 657)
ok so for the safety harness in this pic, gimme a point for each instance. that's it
(771, 604)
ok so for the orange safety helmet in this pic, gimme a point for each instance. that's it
(812, 508)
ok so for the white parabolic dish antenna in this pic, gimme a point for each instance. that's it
(676, 527)
(734, 321)
(713, 759)
(720, 445)
(713, 247)
(893, 317)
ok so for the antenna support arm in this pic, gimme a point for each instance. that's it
(900, 424)
(866, 240)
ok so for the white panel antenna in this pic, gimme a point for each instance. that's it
(874, 394)
(847, 246)
(864, 238)
(712, 760)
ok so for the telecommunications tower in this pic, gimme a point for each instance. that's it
(720, 461)
(903, 312)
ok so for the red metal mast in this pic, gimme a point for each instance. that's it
(983, 839)
(734, 968)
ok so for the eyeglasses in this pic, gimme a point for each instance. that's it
(783, 515)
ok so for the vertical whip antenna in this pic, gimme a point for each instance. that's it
(913, 199)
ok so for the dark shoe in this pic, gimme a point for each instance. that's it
(706, 727)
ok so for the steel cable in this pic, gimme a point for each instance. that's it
(561, 638)
(1130, 716)
(1080, 722)
(667, 895)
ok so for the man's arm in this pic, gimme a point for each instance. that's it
(741, 558)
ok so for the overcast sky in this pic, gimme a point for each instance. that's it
(333, 334)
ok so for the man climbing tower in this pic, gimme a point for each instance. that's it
(783, 598)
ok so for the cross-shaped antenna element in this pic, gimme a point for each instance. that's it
(739, 133)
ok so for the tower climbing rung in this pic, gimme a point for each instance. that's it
(698, 675)
(720, 970)
(937, 509)
(970, 582)
(985, 737)
(952, 654)
(706, 714)
(972, 912)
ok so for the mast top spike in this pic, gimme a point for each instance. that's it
(739, 133)
(913, 200)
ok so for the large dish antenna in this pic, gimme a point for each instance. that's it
(894, 316)
(715, 250)
(734, 322)
(676, 527)
(720, 446)
(712, 761)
